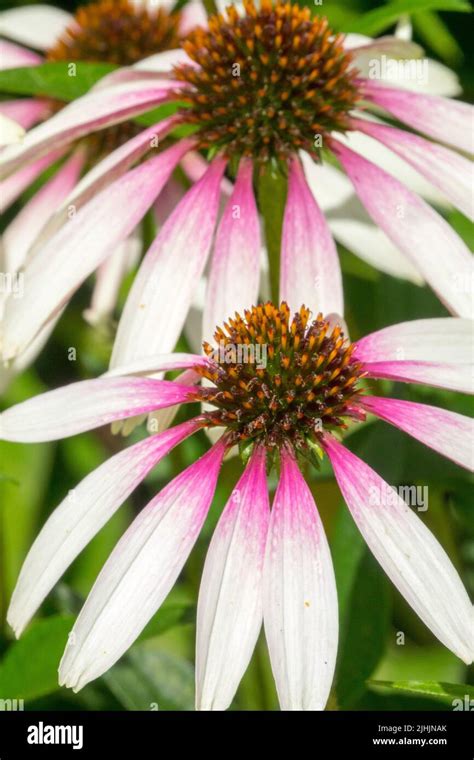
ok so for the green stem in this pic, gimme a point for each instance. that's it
(272, 190)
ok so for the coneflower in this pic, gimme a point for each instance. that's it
(264, 86)
(282, 389)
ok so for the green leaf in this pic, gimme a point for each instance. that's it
(30, 667)
(436, 34)
(377, 21)
(169, 615)
(458, 695)
(272, 191)
(53, 80)
(151, 679)
(24, 473)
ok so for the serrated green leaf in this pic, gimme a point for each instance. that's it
(29, 669)
(377, 21)
(53, 80)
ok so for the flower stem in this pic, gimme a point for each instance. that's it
(272, 190)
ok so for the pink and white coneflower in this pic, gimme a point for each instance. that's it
(281, 389)
(263, 86)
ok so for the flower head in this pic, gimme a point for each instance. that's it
(265, 564)
(257, 87)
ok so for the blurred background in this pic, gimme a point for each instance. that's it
(387, 658)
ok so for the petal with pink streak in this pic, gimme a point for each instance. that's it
(27, 111)
(81, 515)
(449, 121)
(12, 188)
(310, 272)
(299, 596)
(163, 289)
(448, 433)
(455, 377)
(451, 173)
(408, 552)
(80, 246)
(235, 269)
(140, 572)
(94, 111)
(27, 224)
(86, 405)
(14, 56)
(230, 612)
(442, 340)
(108, 170)
(423, 235)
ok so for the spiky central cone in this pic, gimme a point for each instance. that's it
(268, 83)
(277, 379)
(118, 32)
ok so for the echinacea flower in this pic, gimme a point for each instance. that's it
(264, 86)
(120, 32)
(280, 388)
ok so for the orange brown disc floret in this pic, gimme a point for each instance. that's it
(268, 82)
(279, 379)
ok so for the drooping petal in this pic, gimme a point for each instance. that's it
(431, 351)
(235, 268)
(455, 377)
(86, 405)
(439, 253)
(72, 254)
(96, 110)
(113, 166)
(192, 15)
(299, 597)
(230, 613)
(448, 433)
(140, 572)
(350, 223)
(37, 25)
(448, 171)
(408, 552)
(310, 273)
(14, 56)
(11, 188)
(81, 515)
(163, 289)
(29, 221)
(449, 121)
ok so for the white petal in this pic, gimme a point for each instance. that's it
(299, 597)
(163, 289)
(140, 572)
(235, 268)
(230, 614)
(408, 552)
(448, 433)
(36, 25)
(80, 516)
(85, 405)
(433, 246)
(72, 254)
